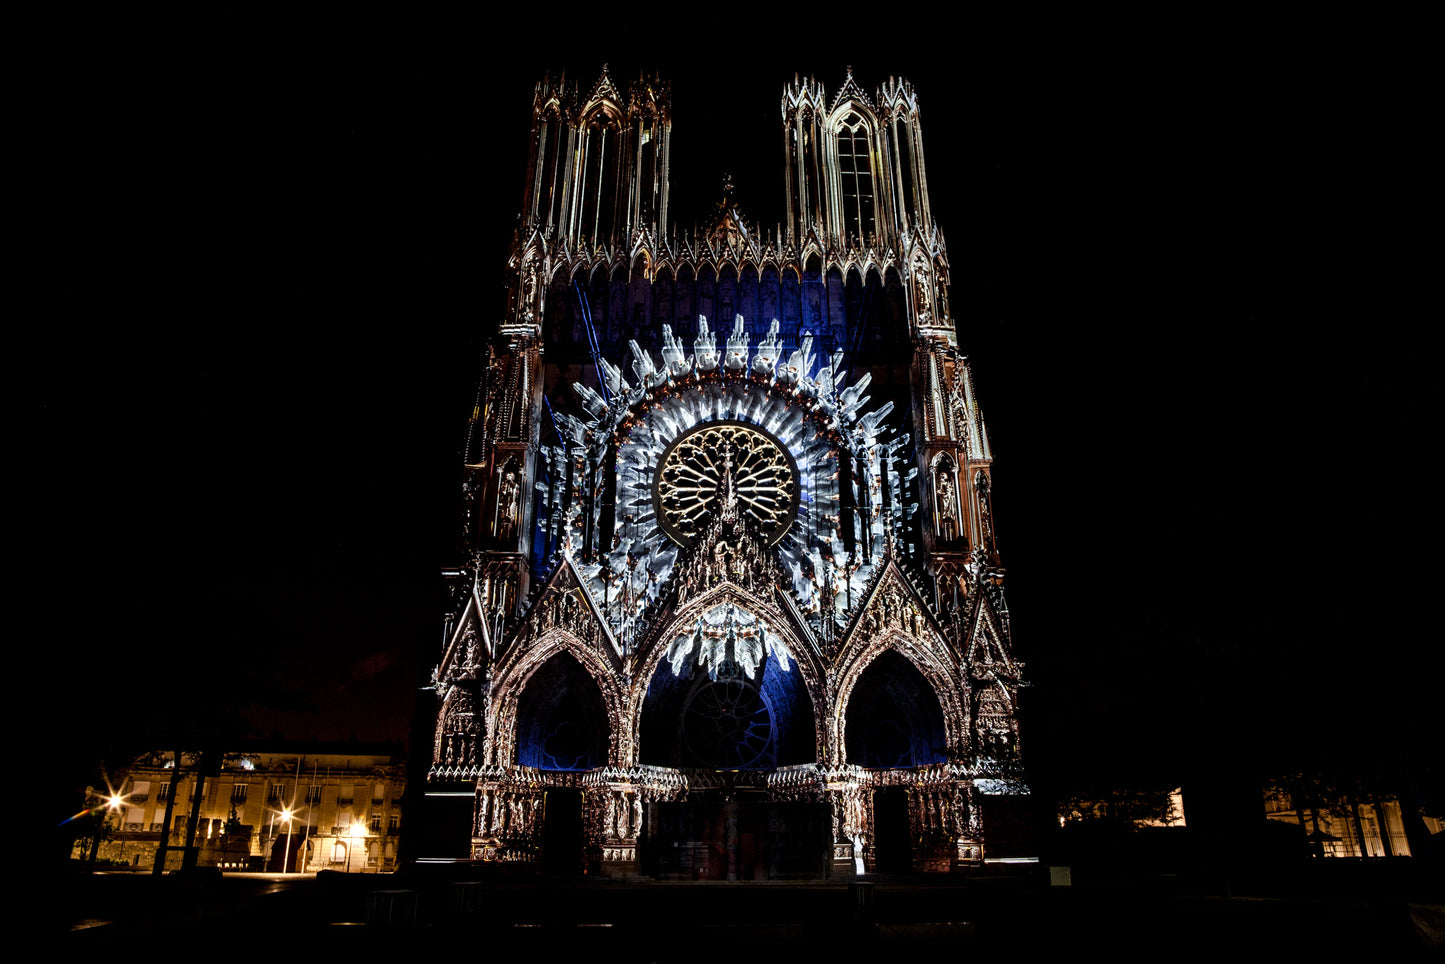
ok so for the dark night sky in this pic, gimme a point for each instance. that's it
(270, 264)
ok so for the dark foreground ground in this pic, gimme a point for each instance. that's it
(1384, 913)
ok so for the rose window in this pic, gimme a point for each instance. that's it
(729, 468)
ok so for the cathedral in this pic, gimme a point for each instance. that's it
(731, 605)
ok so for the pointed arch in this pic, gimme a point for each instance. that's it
(894, 718)
(706, 294)
(685, 301)
(853, 140)
(600, 173)
(638, 324)
(561, 721)
(941, 682)
(664, 285)
(726, 298)
(553, 138)
(748, 297)
(895, 311)
(652, 669)
(894, 616)
(515, 673)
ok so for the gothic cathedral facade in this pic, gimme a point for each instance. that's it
(727, 517)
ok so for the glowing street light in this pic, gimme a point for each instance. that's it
(357, 833)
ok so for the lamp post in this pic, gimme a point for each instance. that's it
(286, 819)
(100, 815)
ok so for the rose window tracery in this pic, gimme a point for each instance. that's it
(730, 469)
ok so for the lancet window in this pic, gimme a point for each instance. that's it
(855, 172)
(551, 169)
(907, 176)
(601, 149)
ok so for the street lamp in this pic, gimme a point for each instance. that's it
(357, 833)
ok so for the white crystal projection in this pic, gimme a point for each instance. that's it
(705, 358)
(804, 405)
(737, 357)
(727, 641)
(767, 356)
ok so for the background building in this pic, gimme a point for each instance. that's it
(340, 804)
(1338, 824)
(732, 588)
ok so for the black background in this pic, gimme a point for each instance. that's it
(266, 257)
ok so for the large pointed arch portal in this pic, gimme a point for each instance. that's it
(561, 721)
(894, 717)
(727, 696)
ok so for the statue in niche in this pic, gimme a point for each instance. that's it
(529, 293)
(922, 300)
(893, 607)
(509, 495)
(471, 659)
(947, 507)
(980, 486)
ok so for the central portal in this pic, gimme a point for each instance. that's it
(737, 840)
(726, 696)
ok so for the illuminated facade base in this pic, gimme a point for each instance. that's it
(743, 569)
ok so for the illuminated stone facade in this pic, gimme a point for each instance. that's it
(727, 508)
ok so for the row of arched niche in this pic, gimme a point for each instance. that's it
(894, 719)
(858, 312)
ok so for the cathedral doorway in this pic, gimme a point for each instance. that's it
(562, 841)
(892, 843)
